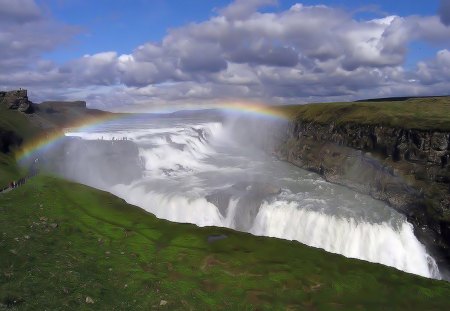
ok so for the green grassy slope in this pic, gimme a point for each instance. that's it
(61, 242)
(416, 113)
(15, 121)
(9, 171)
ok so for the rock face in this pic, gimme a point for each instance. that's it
(8, 139)
(407, 168)
(250, 196)
(17, 100)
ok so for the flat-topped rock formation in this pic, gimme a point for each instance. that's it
(17, 100)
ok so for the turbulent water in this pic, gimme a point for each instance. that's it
(194, 171)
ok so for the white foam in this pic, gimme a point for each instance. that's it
(181, 151)
(175, 208)
(378, 243)
(320, 218)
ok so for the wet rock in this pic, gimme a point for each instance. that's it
(221, 199)
(8, 140)
(249, 195)
(439, 141)
(214, 238)
(173, 144)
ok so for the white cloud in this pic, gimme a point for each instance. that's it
(435, 71)
(301, 54)
(26, 33)
(241, 9)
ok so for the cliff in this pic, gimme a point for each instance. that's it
(402, 161)
(8, 140)
(17, 100)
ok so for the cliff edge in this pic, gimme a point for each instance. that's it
(395, 152)
(17, 100)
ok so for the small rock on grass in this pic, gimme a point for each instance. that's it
(89, 300)
(162, 302)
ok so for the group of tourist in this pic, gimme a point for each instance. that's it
(33, 171)
(114, 139)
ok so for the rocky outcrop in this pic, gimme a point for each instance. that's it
(250, 196)
(407, 168)
(17, 100)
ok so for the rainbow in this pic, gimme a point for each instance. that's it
(252, 108)
(52, 138)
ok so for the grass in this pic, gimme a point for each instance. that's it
(61, 242)
(9, 171)
(415, 113)
(12, 120)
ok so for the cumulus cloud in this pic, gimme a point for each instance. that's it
(240, 9)
(436, 70)
(25, 33)
(304, 53)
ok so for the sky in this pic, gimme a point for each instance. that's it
(142, 55)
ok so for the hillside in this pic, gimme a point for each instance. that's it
(62, 242)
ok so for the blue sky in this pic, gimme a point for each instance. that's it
(122, 25)
(134, 55)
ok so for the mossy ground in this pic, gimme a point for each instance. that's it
(9, 171)
(12, 120)
(61, 242)
(415, 113)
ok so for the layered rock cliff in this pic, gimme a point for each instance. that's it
(407, 168)
(17, 100)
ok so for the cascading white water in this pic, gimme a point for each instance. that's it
(375, 242)
(186, 160)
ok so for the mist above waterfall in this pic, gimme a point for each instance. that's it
(210, 170)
